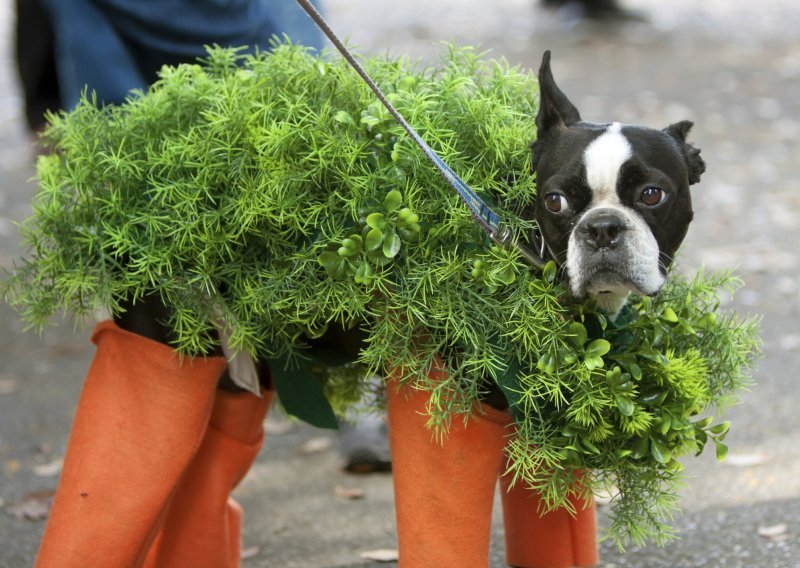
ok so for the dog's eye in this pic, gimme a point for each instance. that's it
(652, 196)
(556, 203)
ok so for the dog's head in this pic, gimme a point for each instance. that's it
(613, 201)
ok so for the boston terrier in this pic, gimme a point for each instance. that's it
(613, 201)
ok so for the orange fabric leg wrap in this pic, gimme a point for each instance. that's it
(443, 492)
(140, 419)
(203, 524)
(553, 540)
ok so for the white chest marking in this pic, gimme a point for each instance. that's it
(603, 159)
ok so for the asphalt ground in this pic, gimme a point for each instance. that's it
(733, 67)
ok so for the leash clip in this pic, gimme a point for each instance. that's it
(501, 236)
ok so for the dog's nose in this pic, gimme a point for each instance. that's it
(603, 231)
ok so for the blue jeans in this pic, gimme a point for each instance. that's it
(114, 46)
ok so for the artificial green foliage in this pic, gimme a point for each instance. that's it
(275, 192)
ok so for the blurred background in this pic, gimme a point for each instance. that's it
(731, 66)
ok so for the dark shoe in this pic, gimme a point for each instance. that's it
(364, 446)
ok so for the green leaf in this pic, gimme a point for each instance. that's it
(392, 201)
(374, 239)
(344, 117)
(301, 392)
(408, 219)
(349, 248)
(641, 447)
(330, 260)
(549, 272)
(625, 405)
(547, 363)
(624, 384)
(508, 383)
(669, 315)
(720, 429)
(576, 334)
(701, 439)
(660, 452)
(704, 423)
(391, 245)
(651, 397)
(598, 348)
(722, 450)
(378, 258)
(364, 274)
(376, 221)
(614, 376)
(506, 275)
(370, 120)
(675, 465)
(590, 446)
(707, 321)
(666, 423)
(593, 362)
(407, 83)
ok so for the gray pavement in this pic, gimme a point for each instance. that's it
(731, 66)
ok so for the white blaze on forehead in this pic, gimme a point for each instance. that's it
(603, 159)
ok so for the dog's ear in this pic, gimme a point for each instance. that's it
(555, 109)
(695, 163)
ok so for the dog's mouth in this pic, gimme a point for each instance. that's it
(610, 283)
(608, 280)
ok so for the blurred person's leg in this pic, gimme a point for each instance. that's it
(114, 46)
(35, 59)
(364, 444)
(592, 10)
(171, 32)
(90, 51)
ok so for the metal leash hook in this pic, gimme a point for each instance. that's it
(489, 221)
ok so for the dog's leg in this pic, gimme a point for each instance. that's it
(444, 492)
(142, 414)
(556, 539)
(203, 523)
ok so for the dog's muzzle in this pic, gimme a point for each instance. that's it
(612, 251)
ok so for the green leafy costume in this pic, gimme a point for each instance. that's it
(275, 191)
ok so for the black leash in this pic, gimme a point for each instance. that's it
(489, 221)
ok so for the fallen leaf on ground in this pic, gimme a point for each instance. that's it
(8, 386)
(746, 460)
(13, 466)
(380, 555)
(774, 533)
(351, 493)
(33, 507)
(250, 552)
(277, 428)
(316, 445)
(48, 469)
